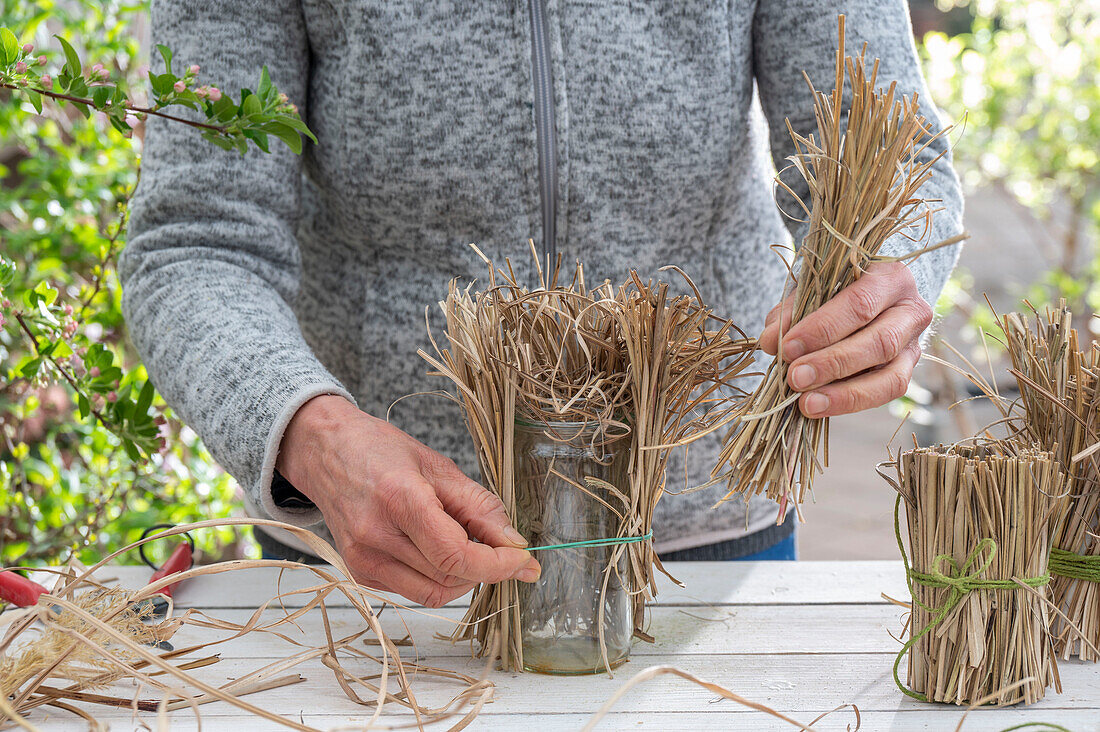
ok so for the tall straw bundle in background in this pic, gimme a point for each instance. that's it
(1061, 402)
(863, 180)
(634, 358)
(979, 523)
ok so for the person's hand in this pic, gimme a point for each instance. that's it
(403, 516)
(856, 351)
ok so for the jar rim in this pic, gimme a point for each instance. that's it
(569, 430)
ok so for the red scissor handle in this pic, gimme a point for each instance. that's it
(17, 589)
(179, 561)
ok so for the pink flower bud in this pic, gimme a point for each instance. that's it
(104, 73)
(94, 372)
(20, 68)
(215, 94)
(70, 327)
(41, 60)
(69, 310)
(179, 86)
(283, 98)
(28, 47)
(112, 396)
(46, 81)
(193, 69)
(6, 303)
(201, 92)
(293, 108)
(96, 68)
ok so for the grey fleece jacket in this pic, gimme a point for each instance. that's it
(254, 283)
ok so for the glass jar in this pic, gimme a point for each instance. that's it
(578, 594)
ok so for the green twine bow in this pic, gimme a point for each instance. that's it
(961, 580)
(594, 542)
(1075, 566)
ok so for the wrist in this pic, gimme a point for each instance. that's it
(307, 435)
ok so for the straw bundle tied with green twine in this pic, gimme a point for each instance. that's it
(979, 521)
(1060, 394)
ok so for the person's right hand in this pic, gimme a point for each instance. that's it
(403, 516)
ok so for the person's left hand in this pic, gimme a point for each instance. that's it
(856, 351)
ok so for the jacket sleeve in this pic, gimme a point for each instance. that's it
(212, 265)
(790, 36)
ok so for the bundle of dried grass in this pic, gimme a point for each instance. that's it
(92, 651)
(979, 522)
(634, 359)
(863, 183)
(1061, 413)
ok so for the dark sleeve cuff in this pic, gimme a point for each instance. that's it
(285, 495)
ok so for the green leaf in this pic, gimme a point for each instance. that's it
(9, 46)
(119, 123)
(297, 124)
(251, 105)
(83, 406)
(48, 293)
(264, 87)
(145, 399)
(217, 139)
(224, 109)
(162, 83)
(28, 366)
(61, 350)
(131, 450)
(259, 138)
(100, 96)
(35, 99)
(292, 139)
(78, 88)
(72, 60)
(166, 54)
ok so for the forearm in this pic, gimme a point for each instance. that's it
(212, 267)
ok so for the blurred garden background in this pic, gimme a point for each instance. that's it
(1022, 79)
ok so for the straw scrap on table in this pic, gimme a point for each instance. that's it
(79, 657)
(863, 178)
(635, 358)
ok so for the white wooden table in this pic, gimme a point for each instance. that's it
(801, 637)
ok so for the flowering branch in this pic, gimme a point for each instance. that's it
(121, 402)
(230, 125)
(57, 365)
(128, 105)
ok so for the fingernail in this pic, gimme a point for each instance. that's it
(793, 350)
(817, 403)
(516, 538)
(529, 574)
(802, 376)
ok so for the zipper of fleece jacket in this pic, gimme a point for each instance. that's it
(546, 135)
